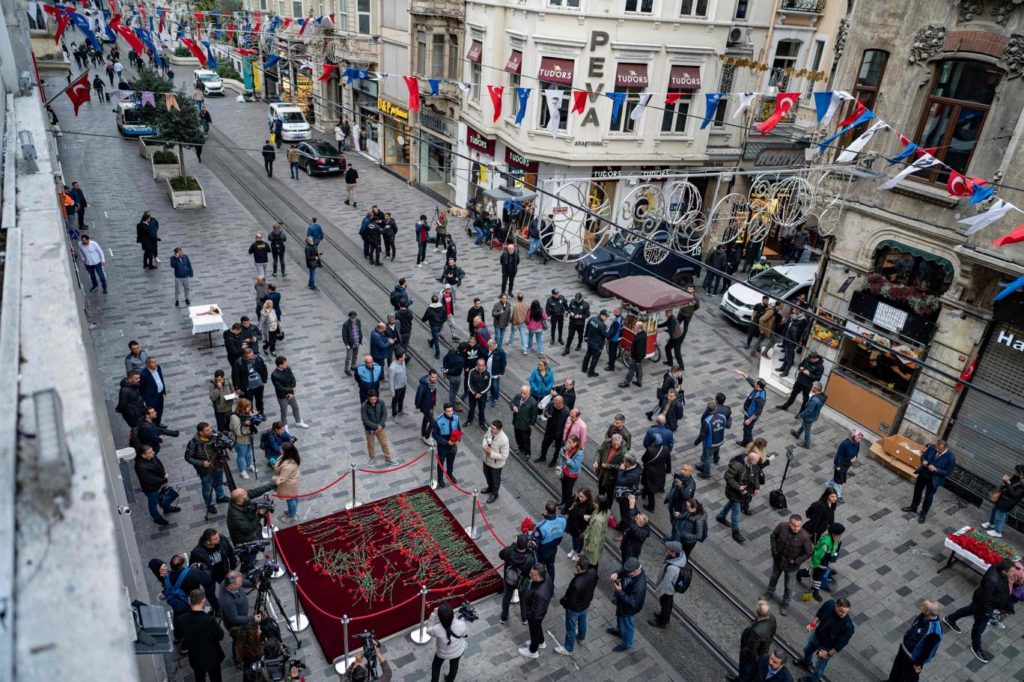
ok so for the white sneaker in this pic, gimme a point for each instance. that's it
(525, 651)
(252, 468)
(559, 649)
(245, 475)
(543, 645)
(303, 425)
(994, 533)
(986, 525)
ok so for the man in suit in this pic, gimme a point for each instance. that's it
(772, 668)
(153, 388)
(202, 636)
(937, 463)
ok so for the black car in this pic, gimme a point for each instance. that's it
(320, 158)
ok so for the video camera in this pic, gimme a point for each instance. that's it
(221, 440)
(275, 669)
(252, 421)
(262, 575)
(467, 612)
(265, 504)
(369, 652)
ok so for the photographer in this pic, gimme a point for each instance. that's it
(449, 632)
(202, 454)
(216, 553)
(273, 440)
(243, 426)
(358, 671)
(245, 516)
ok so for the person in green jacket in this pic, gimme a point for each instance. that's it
(597, 526)
(825, 552)
(685, 313)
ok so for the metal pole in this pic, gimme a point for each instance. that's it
(432, 467)
(342, 663)
(420, 634)
(298, 622)
(472, 531)
(279, 571)
(353, 503)
(268, 528)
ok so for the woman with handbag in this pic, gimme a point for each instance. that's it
(286, 476)
(821, 515)
(569, 472)
(153, 481)
(1008, 496)
(627, 483)
(536, 323)
(269, 327)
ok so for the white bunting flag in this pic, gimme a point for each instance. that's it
(746, 99)
(465, 87)
(982, 220)
(855, 147)
(925, 161)
(641, 106)
(554, 99)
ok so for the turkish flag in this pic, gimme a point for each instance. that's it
(62, 23)
(78, 91)
(413, 85)
(579, 101)
(496, 91)
(958, 185)
(1012, 237)
(784, 101)
(857, 111)
(328, 70)
(194, 49)
(131, 38)
(231, 32)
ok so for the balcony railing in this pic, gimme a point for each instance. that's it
(808, 6)
(438, 8)
(353, 50)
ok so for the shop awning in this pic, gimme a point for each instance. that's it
(515, 62)
(510, 194)
(946, 266)
(684, 78)
(556, 70)
(476, 51)
(649, 294)
(631, 76)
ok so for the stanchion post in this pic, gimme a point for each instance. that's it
(353, 503)
(472, 531)
(269, 528)
(342, 663)
(279, 571)
(420, 634)
(432, 467)
(298, 622)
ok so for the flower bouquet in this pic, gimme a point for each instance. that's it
(212, 310)
(983, 546)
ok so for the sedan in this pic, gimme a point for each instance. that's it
(320, 158)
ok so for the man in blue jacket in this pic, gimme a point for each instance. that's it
(831, 632)
(711, 436)
(614, 336)
(380, 344)
(153, 388)
(937, 463)
(919, 644)
(445, 425)
(182, 267)
(753, 406)
(809, 415)
(426, 398)
(846, 456)
(771, 667)
(316, 231)
(367, 376)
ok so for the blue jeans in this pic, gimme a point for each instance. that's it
(805, 430)
(816, 664)
(577, 543)
(536, 337)
(499, 337)
(519, 329)
(211, 481)
(838, 487)
(294, 170)
(94, 271)
(734, 507)
(707, 455)
(626, 629)
(152, 500)
(293, 506)
(495, 390)
(534, 248)
(435, 340)
(998, 519)
(575, 626)
(243, 456)
(312, 278)
(481, 235)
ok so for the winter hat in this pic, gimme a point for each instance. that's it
(631, 457)
(836, 529)
(603, 313)
(674, 547)
(578, 296)
(632, 563)
(352, 314)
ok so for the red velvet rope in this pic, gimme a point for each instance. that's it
(440, 465)
(339, 479)
(397, 468)
(488, 524)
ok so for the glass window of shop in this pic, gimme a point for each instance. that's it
(888, 365)
(435, 171)
(683, 81)
(555, 74)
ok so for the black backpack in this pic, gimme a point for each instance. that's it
(683, 580)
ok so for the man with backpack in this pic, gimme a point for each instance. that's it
(178, 580)
(519, 558)
(675, 577)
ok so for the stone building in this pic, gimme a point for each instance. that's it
(901, 268)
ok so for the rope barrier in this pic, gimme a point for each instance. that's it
(339, 479)
(397, 468)
(487, 522)
(440, 466)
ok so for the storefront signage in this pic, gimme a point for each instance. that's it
(786, 156)
(475, 52)
(556, 70)
(631, 76)
(393, 110)
(595, 71)
(515, 62)
(438, 124)
(890, 318)
(1012, 340)
(478, 142)
(518, 163)
(684, 78)
(615, 173)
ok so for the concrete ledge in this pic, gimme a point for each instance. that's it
(190, 61)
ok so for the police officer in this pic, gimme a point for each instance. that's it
(579, 311)
(596, 334)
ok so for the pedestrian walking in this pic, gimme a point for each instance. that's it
(1005, 498)
(766, 326)
(92, 254)
(755, 640)
(637, 353)
(656, 461)
(277, 238)
(821, 514)
(260, 252)
(711, 437)
(397, 383)
(495, 448)
(351, 337)
(846, 457)
(596, 335)
(753, 406)
(556, 307)
(447, 431)
(792, 340)
(937, 463)
(312, 262)
(497, 364)
(630, 586)
(537, 599)
(519, 558)
(614, 337)
(243, 431)
(756, 312)
(831, 630)
(918, 645)
(284, 383)
(809, 372)
(200, 634)
(269, 156)
(790, 546)
(826, 550)
(294, 161)
(374, 417)
(578, 311)
(741, 481)
(501, 317)
(524, 416)
(536, 321)
(448, 304)
(675, 339)
(450, 633)
(422, 231)
(425, 400)
(183, 273)
(992, 593)
(576, 602)
(351, 180)
(685, 313)
(434, 317)
(146, 237)
(81, 203)
(809, 414)
(666, 585)
(716, 262)
(509, 262)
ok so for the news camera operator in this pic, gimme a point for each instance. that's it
(207, 454)
(359, 670)
(216, 553)
(245, 517)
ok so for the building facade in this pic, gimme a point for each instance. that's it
(901, 269)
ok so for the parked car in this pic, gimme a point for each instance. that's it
(294, 126)
(208, 81)
(781, 283)
(129, 121)
(623, 258)
(321, 158)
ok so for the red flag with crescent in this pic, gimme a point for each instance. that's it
(412, 84)
(857, 112)
(958, 185)
(131, 38)
(62, 23)
(579, 101)
(194, 49)
(78, 91)
(784, 101)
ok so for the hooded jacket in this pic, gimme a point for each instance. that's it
(666, 583)
(434, 315)
(426, 396)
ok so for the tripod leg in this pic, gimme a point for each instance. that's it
(277, 600)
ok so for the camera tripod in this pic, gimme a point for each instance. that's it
(264, 588)
(229, 478)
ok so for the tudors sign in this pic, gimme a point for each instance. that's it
(478, 142)
(517, 163)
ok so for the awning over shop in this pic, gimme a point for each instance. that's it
(684, 78)
(476, 51)
(510, 194)
(515, 62)
(946, 266)
(631, 76)
(556, 70)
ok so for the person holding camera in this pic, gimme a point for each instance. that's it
(630, 591)
(449, 631)
(243, 427)
(359, 670)
(245, 517)
(273, 440)
(222, 394)
(286, 476)
(205, 457)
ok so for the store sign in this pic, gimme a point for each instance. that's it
(519, 164)
(438, 124)
(478, 142)
(393, 110)
(613, 173)
(890, 318)
(595, 71)
(556, 70)
(1011, 340)
(684, 78)
(786, 156)
(631, 76)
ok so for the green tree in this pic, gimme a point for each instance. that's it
(181, 126)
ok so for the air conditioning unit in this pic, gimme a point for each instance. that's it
(738, 35)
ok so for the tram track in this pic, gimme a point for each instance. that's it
(252, 180)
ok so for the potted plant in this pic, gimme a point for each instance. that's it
(165, 164)
(150, 80)
(180, 126)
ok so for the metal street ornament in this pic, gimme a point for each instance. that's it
(682, 200)
(791, 201)
(728, 218)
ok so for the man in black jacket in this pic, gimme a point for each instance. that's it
(759, 308)
(216, 553)
(555, 308)
(556, 414)
(576, 602)
(147, 433)
(434, 317)
(809, 371)
(244, 519)
(130, 404)
(152, 478)
(993, 593)
(249, 375)
(260, 252)
(630, 591)
(791, 546)
(519, 558)
(537, 599)
(283, 380)
(792, 339)
(233, 343)
(177, 580)
(509, 267)
(596, 335)
(269, 154)
(202, 635)
(479, 384)
(352, 337)
(637, 353)
(579, 311)
(635, 531)
(234, 605)
(755, 640)
(204, 459)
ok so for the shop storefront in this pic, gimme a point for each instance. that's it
(364, 104)
(522, 169)
(435, 171)
(397, 135)
(299, 91)
(480, 177)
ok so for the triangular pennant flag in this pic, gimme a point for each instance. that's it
(711, 100)
(413, 85)
(328, 70)
(858, 111)
(171, 102)
(269, 64)
(524, 96)
(209, 55)
(980, 221)
(825, 106)
(554, 101)
(78, 91)
(1012, 237)
(925, 161)
(617, 99)
(746, 99)
(855, 147)
(784, 101)
(641, 106)
(231, 31)
(435, 86)
(979, 191)
(1008, 289)
(863, 118)
(82, 23)
(958, 185)
(147, 98)
(673, 97)
(579, 101)
(194, 49)
(907, 152)
(496, 91)
(287, 22)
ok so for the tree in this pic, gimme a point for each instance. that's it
(181, 126)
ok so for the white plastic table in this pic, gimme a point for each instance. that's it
(204, 321)
(958, 553)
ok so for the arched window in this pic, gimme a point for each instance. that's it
(958, 103)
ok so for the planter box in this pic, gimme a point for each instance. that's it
(188, 199)
(191, 61)
(164, 171)
(146, 150)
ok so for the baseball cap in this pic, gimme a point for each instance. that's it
(674, 547)
(603, 313)
(632, 563)
(352, 313)
(554, 291)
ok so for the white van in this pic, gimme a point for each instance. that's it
(781, 283)
(293, 122)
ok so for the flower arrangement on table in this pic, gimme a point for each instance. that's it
(212, 310)
(983, 546)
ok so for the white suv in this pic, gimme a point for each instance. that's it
(293, 122)
(781, 283)
(209, 82)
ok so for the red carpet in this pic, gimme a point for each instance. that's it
(369, 564)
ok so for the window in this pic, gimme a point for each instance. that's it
(693, 8)
(555, 74)
(341, 17)
(741, 9)
(421, 52)
(640, 6)
(515, 80)
(454, 65)
(563, 110)
(955, 112)
(724, 87)
(572, 4)
(673, 119)
(819, 51)
(363, 16)
(785, 58)
(474, 56)
(869, 76)
(437, 55)
(297, 9)
(624, 124)
(263, 4)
